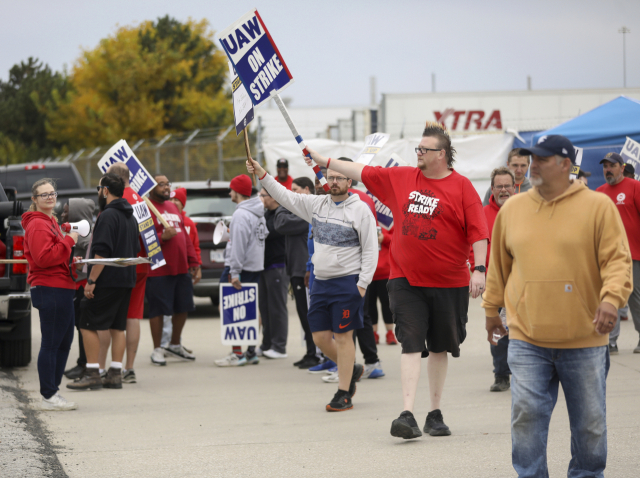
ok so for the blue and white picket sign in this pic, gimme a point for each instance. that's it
(383, 213)
(372, 146)
(239, 324)
(242, 105)
(141, 181)
(631, 155)
(255, 57)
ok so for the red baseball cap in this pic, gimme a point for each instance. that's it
(180, 194)
(241, 184)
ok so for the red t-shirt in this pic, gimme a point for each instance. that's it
(286, 183)
(178, 251)
(490, 212)
(192, 231)
(384, 268)
(435, 222)
(626, 195)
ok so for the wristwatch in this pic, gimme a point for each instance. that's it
(482, 269)
(90, 282)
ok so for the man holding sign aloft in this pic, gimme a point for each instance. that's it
(438, 216)
(345, 259)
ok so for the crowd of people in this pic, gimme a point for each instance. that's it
(552, 260)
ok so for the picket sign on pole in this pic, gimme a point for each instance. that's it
(372, 146)
(242, 111)
(141, 182)
(239, 321)
(261, 68)
(575, 169)
(631, 155)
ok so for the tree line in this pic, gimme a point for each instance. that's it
(144, 81)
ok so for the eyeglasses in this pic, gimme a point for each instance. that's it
(504, 186)
(264, 195)
(98, 188)
(46, 196)
(164, 185)
(420, 150)
(336, 179)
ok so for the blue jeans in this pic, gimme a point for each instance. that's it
(57, 321)
(536, 374)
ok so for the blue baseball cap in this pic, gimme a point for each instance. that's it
(613, 158)
(550, 145)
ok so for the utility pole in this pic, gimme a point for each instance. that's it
(624, 31)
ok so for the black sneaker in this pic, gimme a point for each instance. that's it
(307, 362)
(434, 425)
(613, 349)
(355, 377)
(341, 401)
(501, 384)
(75, 372)
(405, 426)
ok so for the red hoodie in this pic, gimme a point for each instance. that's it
(384, 267)
(48, 251)
(490, 212)
(190, 226)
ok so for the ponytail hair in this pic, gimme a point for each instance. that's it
(34, 190)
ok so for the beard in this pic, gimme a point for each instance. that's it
(536, 181)
(610, 179)
(102, 202)
(338, 191)
(500, 200)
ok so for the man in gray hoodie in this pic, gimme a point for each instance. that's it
(244, 254)
(345, 259)
(519, 165)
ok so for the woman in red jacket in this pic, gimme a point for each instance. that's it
(48, 253)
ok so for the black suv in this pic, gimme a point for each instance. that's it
(15, 299)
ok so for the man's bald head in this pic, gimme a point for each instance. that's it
(121, 170)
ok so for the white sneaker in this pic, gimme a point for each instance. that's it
(231, 360)
(373, 370)
(272, 354)
(157, 357)
(57, 403)
(178, 351)
(331, 378)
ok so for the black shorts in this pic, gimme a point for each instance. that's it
(168, 295)
(428, 319)
(107, 310)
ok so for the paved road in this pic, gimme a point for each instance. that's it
(193, 419)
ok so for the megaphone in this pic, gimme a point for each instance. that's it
(220, 233)
(83, 228)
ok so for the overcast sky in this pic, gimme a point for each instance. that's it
(333, 47)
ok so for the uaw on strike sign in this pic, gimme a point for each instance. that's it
(141, 182)
(255, 57)
(239, 321)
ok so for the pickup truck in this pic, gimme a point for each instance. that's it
(15, 298)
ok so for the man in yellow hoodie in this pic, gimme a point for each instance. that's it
(561, 266)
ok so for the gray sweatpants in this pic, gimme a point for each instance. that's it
(634, 305)
(272, 300)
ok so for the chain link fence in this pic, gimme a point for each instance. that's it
(199, 155)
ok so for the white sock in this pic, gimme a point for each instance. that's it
(116, 365)
(101, 371)
(93, 365)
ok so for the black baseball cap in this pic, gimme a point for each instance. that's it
(628, 168)
(613, 158)
(550, 145)
(282, 163)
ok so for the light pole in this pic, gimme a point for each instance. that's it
(624, 31)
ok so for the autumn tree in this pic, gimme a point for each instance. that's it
(144, 81)
(23, 136)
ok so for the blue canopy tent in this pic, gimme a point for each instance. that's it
(602, 130)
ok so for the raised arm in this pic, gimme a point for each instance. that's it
(349, 169)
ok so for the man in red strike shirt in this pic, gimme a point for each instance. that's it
(170, 287)
(625, 192)
(503, 187)
(283, 177)
(429, 283)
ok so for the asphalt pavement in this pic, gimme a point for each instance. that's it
(197, 420)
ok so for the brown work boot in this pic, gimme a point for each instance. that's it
(113, 379)
(90, 380)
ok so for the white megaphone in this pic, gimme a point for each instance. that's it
(220, 233)
(83, 228)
